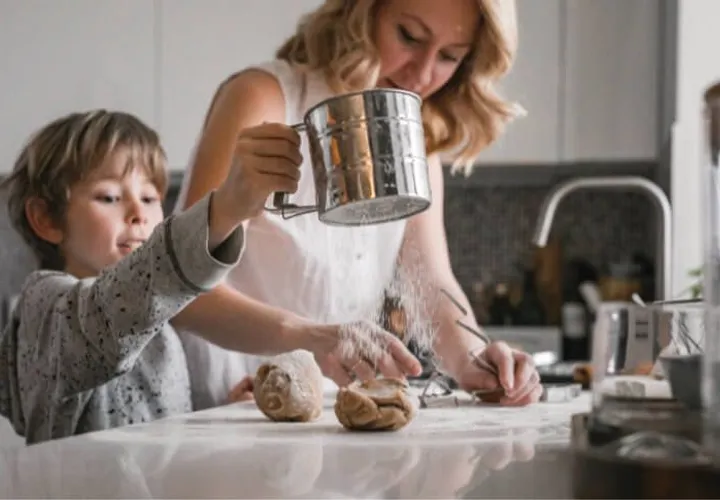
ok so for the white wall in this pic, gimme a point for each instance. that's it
(159, 59)
(698, 65)
(201, 42)
(59, 57)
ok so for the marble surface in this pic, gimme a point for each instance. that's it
(471, 451)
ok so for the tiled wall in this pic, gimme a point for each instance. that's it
(489, 228)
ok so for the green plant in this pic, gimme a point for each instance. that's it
(697, 288)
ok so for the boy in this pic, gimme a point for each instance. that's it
(89, 345)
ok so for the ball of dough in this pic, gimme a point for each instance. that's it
(490, 396)
(289, 388)
(376, 405)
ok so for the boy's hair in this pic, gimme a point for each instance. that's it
(65, 152)
(464, 116)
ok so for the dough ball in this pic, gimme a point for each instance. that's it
(490, 396)
(376, 405)
(289, 388)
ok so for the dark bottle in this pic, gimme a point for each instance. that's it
(530, 310)
(576, 318)
(501, 310)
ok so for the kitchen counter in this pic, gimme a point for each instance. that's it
(479, 451)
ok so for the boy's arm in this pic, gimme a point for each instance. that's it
(90, 331)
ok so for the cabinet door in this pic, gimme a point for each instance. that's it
(611, 79)
(60, 57)
(201, 44)
(534, 84)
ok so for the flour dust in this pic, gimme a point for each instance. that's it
(362, 289)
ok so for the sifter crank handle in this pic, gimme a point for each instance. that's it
(282, 200)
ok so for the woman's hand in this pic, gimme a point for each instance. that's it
(517, 380)
(358, 350)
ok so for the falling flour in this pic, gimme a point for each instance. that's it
(361, 337)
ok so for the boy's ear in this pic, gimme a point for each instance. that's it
(41, 222)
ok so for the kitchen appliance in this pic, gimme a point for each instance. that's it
(369, 160)
(631, 391)
(629, 341)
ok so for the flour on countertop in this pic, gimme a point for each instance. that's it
(542, 423)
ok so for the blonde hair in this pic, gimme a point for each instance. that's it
(465, 116)
(65, 152)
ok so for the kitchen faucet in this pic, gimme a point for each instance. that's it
(663, 274)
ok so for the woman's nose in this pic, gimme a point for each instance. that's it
(424, 67)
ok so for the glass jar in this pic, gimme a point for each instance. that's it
(711, 270)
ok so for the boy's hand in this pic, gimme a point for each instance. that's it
(242, 392)
(266, 160)
(358, 350)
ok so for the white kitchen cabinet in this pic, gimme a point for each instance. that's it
(203, 42)
(610, 65)
(60, 57)
(534, 83)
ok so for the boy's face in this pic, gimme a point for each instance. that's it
(109, 214)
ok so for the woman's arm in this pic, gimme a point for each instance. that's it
(425, 239)
(245, 100)
(425, 245)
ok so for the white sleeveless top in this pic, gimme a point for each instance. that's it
(324, 273)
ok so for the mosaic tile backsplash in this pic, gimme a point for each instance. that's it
(489, 228)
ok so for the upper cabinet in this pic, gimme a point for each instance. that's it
(587, 73)
(534, 84)
(201, 44)
(611, 80)
(61, 57)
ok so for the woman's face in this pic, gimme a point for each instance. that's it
(422, 42)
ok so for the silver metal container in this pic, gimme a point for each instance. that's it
(369, 159)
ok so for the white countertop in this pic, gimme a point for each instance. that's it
(234, 451)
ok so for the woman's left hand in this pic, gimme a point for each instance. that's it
(516, 375)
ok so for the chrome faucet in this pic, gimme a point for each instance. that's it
(663, 274)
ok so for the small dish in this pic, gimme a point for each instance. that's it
(683, 373)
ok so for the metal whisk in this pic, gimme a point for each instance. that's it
(428, 397)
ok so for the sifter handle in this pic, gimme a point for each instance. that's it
(282, 200)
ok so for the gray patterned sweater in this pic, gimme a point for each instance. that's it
(91, 354)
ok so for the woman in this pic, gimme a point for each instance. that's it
(450, 53)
